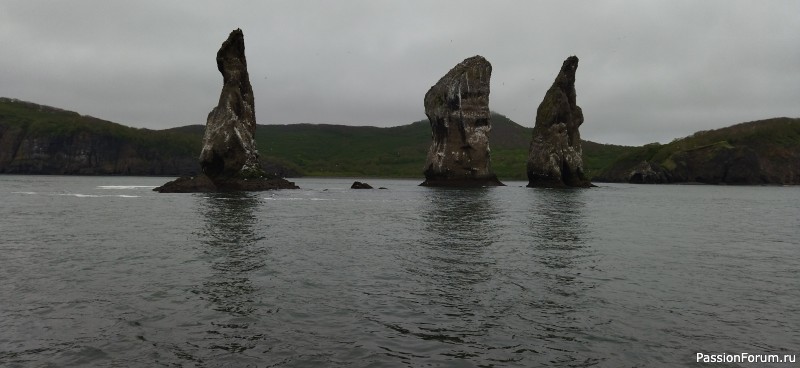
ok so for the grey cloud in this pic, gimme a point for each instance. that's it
(650, 71)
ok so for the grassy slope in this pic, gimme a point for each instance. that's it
(39, 120)
(335, 150)
(318, 150)
(773, 139)
(385, 152)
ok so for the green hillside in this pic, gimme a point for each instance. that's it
(37, 139)
(337, 150)
(757, 152)
(340, 150)
(46, 121)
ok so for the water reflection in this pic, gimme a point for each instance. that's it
(231, 245)
(449, 268)
(557, 233)
(459, 226)
(558, 249)
(229, 235)
(557, 222)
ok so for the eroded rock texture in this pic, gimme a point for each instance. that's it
(229, 149)
(458, 110)
(229, 158)
(555, 154)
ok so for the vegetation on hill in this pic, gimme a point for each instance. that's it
(45, 121)
(297, 149)
(757, 152)
(337, 150)
(38, 139)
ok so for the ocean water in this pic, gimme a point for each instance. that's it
(101, 271)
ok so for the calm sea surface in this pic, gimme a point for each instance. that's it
(101, 271)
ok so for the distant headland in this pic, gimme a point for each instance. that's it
(453, 144)
(43, 140)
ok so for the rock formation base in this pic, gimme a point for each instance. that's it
(203, 184)
(463, 183)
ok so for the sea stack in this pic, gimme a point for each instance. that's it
(229, 158)
(229, 149)
(458, 110)
(555, 154)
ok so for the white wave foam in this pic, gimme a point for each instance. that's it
(298, 199)
(79, 195)
(125, 186)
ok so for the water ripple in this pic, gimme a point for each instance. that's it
(405, 277)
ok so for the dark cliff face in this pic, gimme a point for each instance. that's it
(86, 153)
(714, 165)
(37, 139)
(555, 154)
(754, 153)
(229, 148)
(457, 107)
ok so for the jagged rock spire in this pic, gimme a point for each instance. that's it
(229, 158)
(555, 154)
(229, 148)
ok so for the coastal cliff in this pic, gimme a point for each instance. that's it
(37, 139)
(357, 151)
(752, 153)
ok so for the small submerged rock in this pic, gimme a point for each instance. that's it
(360, 185)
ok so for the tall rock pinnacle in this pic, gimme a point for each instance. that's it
(229, 158)
(229, 149)
(458, 110)
(554, 157)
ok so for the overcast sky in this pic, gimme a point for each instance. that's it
(650, 71)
